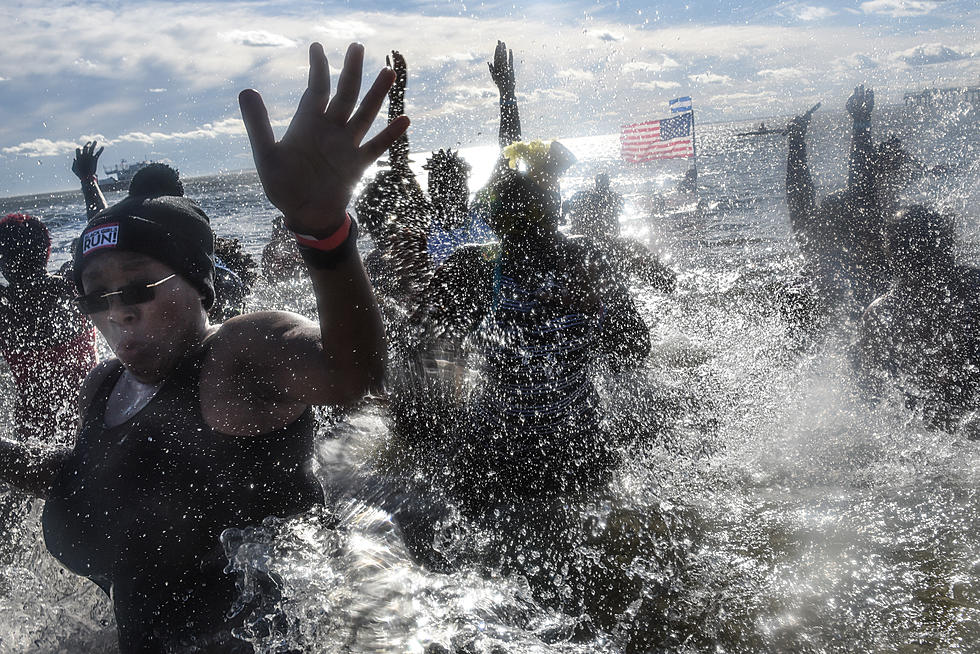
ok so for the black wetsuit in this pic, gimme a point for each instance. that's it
(139, 509)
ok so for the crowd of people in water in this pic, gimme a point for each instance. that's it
(201, 420)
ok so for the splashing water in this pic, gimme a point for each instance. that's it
(763, 506)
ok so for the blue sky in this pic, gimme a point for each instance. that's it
(159, 80)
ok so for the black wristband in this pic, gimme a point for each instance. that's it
(329, 259)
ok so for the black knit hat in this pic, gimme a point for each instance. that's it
(173, 230)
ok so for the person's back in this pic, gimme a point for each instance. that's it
(48, 345)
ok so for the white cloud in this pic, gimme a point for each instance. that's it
(807, 12)
(41, 148)
(346, 30)
(898, 8)
(666, 63)
(464, 91)
(709, 78)
(4, 79)
(740, 97)
(856, 61)
(655, 85)
(450, 108)
(606, 35)
(572, 73)
(930, 53)
(458, 57)
(157, 90)
(782, 73)
(552, 95)
(257, 39)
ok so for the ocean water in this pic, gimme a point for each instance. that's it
(769, 509)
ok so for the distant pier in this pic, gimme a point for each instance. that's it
(936, 97)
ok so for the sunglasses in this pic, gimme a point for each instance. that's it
(129, 294)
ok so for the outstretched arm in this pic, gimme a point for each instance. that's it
(396, 108)
(310, 175)
(800, 194)
(398, 152)
(30, 469)
(860, 172)
(86, 168)
(502, 72)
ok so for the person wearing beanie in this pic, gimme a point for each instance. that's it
(191, 428)
(48, 345)
(153, 180)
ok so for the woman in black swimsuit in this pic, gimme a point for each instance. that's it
(192, 429)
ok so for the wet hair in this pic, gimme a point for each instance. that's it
(240, 262)
(156, 179)
(922, 232)
(448, 175)
(25, 244)
(448, 163)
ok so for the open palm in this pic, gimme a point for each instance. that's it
(310, 174)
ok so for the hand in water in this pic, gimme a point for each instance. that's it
(860, 104)
(310, 174)
(502, 69)
(86, 161)
(801, 123)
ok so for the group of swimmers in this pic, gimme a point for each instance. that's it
(892, 268)
(193, 427)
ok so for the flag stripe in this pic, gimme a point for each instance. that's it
(669, 138)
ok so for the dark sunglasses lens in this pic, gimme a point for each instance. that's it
(136, 294)
(89, 304)
(132, 294)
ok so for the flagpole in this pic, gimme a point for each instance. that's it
(694, 144)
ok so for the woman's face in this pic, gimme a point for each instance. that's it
(148, 338)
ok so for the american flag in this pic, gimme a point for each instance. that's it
(669, 138)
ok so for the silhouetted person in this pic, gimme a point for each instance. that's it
(923, 334)
(48, 344)
(842, 238)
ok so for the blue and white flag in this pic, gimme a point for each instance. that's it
(678, 105)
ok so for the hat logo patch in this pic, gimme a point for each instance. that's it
(106, 236)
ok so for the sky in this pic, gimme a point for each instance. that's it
(159, 80)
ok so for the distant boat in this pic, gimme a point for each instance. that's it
(122, 175)
(763, 131)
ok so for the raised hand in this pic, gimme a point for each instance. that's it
(310, 174)
(802, 122)
(86, 163)
(860, 104)
(502, 69)
(396, 94)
